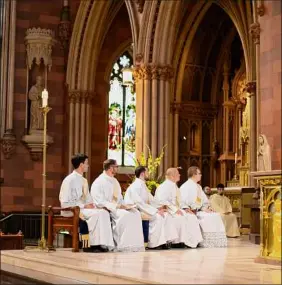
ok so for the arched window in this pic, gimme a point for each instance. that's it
(122, 115)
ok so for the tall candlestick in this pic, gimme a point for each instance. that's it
(44, 98)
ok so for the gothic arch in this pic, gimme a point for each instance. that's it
(241, 17)
(87, 37)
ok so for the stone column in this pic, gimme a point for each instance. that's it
(154, 121)
(152, 110)
(251, 89)
(80, 109)
(8, 140)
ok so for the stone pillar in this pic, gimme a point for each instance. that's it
(152, 110)
(80, 107)
(251, 89)
(8, 138)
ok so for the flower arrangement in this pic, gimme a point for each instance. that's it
(152, 164)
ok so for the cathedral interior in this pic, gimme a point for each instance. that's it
(203, 86)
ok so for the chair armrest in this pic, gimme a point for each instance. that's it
(75, 210)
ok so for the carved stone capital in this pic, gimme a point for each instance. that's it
(251, 88)
(255, 32)
(140, 5)
(39, 44)
(261, 10)
(155, 72)
(166, 72)
(139, 57)
(34, 143)
(146, 70)
(80, 96)
(8, 144)
(175, 108)
(64, 34)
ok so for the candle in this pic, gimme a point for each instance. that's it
(44, 98)
(235, 157)
(66, 3)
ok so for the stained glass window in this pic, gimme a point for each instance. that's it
(122, 116)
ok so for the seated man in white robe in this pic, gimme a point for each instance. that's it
(194, 198)
(161, 228)
(75, 192)
(126, 219)
(221, 204)
(186, 223)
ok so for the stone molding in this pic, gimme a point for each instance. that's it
(79, 96)
(8, 144)
(39, 43)
(148, 72)
(255, 32)
(193, 110)
(34, 143)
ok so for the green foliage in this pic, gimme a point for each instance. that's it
(152, 164)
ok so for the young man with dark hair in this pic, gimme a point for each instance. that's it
(161, 228)
(75, 192)
(221, 204)
(194, 199)
(126, 220)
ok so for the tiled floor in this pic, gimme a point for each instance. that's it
(231, 265)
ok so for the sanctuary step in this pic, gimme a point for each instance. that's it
(11, 278)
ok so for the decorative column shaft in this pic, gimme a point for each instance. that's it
(8, 141)
(153, 111)
(80, 103)
(251, 89)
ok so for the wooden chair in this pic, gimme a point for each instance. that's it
(56, 223)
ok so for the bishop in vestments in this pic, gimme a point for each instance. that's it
(75, 192)
(221, 204)
(126, 219)
(186, 223)
(194, 198)
(161, 228)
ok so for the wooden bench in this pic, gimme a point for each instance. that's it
(57, 223)
(11, 241)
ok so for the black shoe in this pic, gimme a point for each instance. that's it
(165, 246)
(98, 248)
(178, 245)
(87, 249)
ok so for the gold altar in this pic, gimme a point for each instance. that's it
(270, 217)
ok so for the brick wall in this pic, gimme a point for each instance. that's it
(23, 177)
(270, 78)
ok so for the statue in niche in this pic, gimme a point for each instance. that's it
(264, 157)
(35, 96)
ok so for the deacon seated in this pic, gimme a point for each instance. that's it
(194, 198)
(186, 223)
(126, 220)
(75, 192)
(207, 191)
(221, 204)
(161, 228)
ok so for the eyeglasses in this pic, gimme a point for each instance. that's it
(115, 166)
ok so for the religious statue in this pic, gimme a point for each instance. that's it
(264, 157)
(34, 95)
(276, 250)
